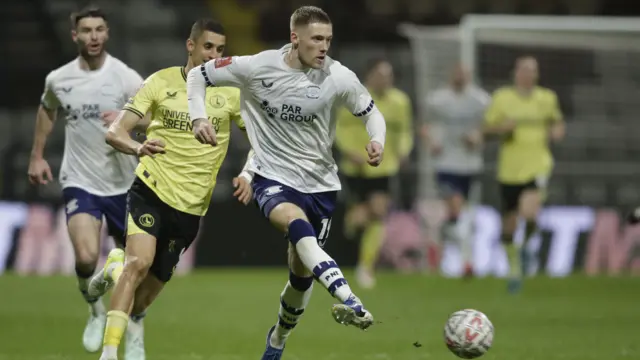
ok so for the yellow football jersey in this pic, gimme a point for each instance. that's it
(185, 176)
(351, 135)
(524, 154)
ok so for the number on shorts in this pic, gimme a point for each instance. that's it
(324, 232)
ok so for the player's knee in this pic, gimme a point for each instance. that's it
(284, 214)
(358, 215)
(529, 206)
(379, 206)
(137, 267)
(86, 258)
(300, 229)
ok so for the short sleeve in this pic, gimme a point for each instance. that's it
(493, 114)
(232, 71)
(49, 99)
(355, 97)
(145, 98)
(556, 113)
(132, 83)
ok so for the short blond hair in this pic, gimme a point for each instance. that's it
(306, 15)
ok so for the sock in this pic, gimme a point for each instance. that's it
(324, 268)
(138, 317)
(370, 245)
(513, 256)
(293, 301)
(84, 277)
(116, 326)
(464, 231)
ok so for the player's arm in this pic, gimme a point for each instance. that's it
(494, 121)
(558, 127)
(356, 98)
(119, 133)
(39, 171)
(228, 71)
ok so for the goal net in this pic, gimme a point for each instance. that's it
(593, 64)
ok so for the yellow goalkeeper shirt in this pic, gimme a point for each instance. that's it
(352, 136)
(185, 176)
(524, 154)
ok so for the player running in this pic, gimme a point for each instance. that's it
(370, 187)
(174, 182)
(94, 178)
(288, 96)
(454, 136)
(524, 116)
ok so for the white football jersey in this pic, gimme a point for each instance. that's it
(89, 162)
(289, 114)
(455, 115)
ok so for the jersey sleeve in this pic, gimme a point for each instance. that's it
(232, 71)
(145, 98)
(49, 99)
(132, 83)
(355, 97)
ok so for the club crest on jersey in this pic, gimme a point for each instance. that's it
(313, 91)
(217, 101)
(222, 62)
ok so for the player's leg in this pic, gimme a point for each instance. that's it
(145, 295)
(357, 213)
(280, 204)
(84, 221)
(143, 229)
(510, 202)
(529, 206)
(373, 235)
(293, 301)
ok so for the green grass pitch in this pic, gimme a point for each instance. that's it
(224, 315)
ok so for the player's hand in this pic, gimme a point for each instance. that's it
(374, 150)
(204, 132)
(633, 217)
(39, 172)
(473, 140)
(108, 117)
(150, 148)
(508, 126)
(243, 192)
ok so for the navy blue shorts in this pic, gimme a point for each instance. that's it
(318, 207)
(450, 184)
(113, 208)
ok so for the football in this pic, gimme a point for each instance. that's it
(468, 333)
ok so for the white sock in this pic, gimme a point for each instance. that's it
(464, 232)
(110, 352)
(96, 305)
(292, 305)
(324, 268)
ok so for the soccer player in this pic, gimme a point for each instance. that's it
(288, 96)
(94, 178)
(454, 135)
(174, 180)
(524, 117)
(370, 186)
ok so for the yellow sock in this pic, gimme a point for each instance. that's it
(513, 256)
(370, 245)
(116, 325)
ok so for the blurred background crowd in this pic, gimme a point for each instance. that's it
(591, 64)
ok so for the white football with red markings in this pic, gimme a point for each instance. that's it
(468, 333)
